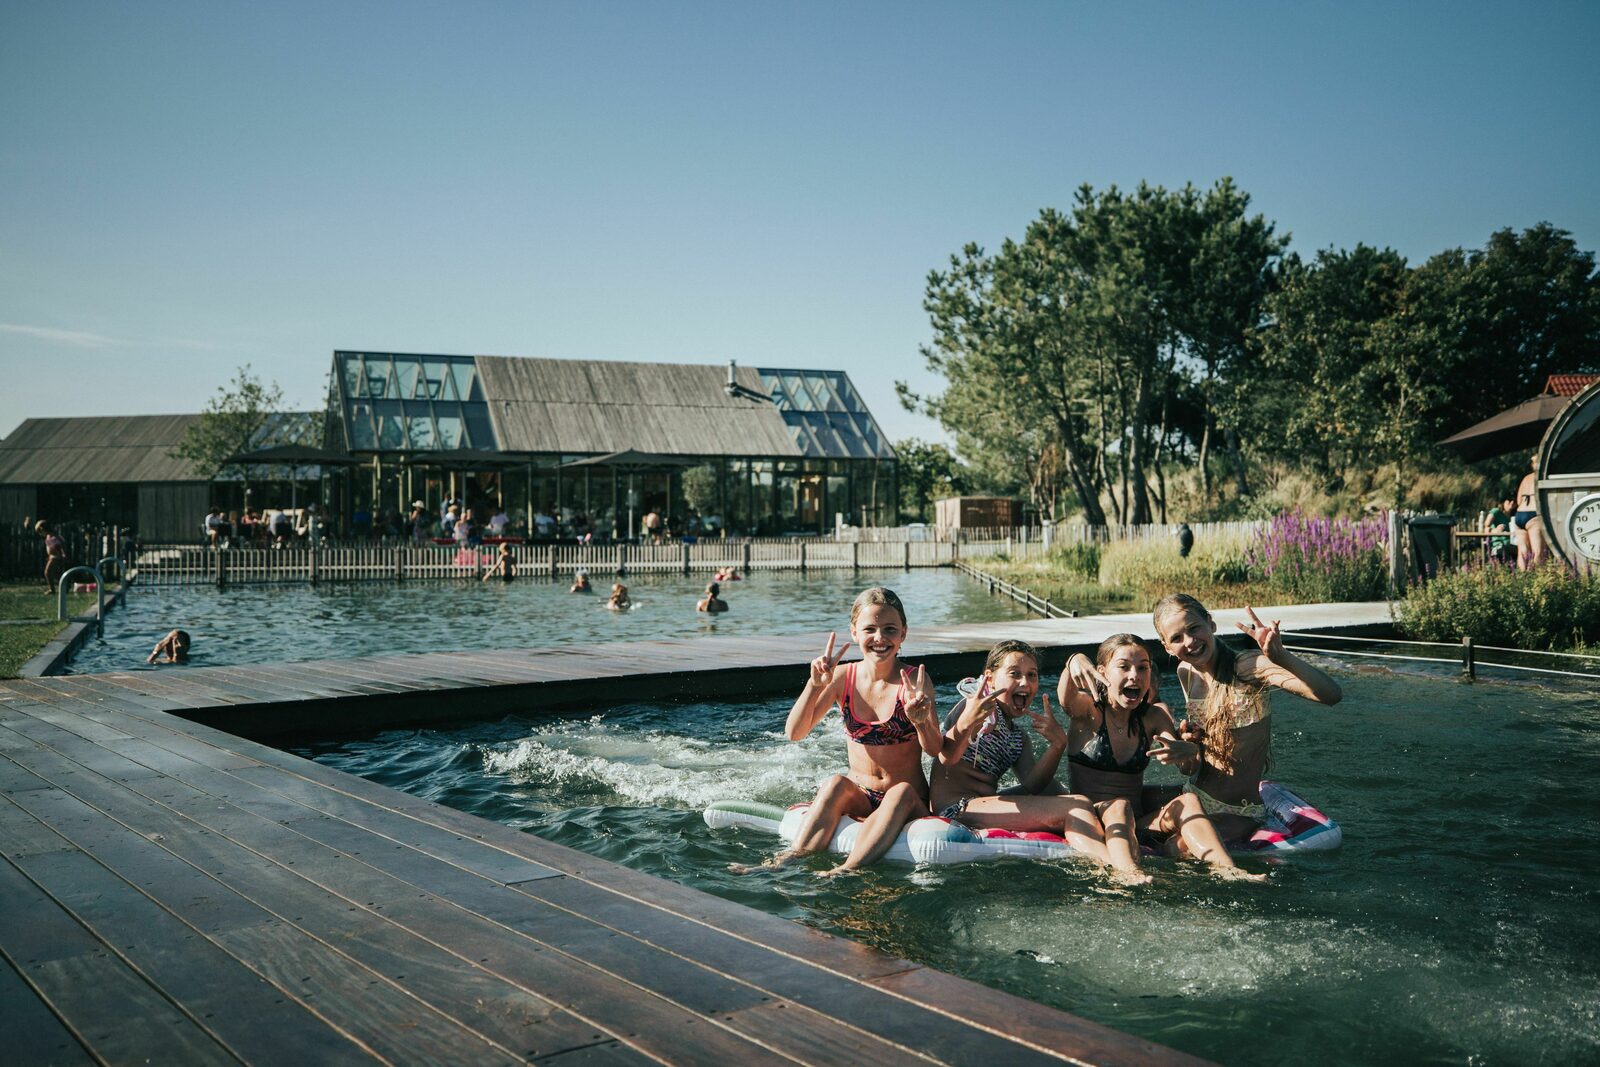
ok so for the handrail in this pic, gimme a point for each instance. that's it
(1432, 644)
(101, 566)
(100, 597)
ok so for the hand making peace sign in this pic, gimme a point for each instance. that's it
(1046, 723)
(822, 667)
(914, 698)
(1264, 635)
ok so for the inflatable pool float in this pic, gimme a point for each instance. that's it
(1292, 825)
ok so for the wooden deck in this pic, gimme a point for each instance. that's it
(176, 893)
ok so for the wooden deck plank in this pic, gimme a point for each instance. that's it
(34, 1035)
(72, 973)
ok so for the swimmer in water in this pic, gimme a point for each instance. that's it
(712, 601)
(619, 598)
(580, 583)
(174, 646)
(505, 565)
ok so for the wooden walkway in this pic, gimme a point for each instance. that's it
(175, 893)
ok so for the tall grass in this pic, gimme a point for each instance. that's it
(1549, 607)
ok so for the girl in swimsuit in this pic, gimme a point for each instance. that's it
(983, 742)
(619, 598)
(1229, 709)
(1116, 727)
(889, 721)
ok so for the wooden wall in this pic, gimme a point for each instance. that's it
(18, 502)
(172, 512)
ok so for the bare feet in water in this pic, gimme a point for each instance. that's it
(1238, 874)
(1131, 876)
(771, 863)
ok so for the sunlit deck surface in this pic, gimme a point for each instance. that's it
(175, 893)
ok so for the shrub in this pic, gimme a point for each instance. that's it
(1545, 608)
(1320, 560)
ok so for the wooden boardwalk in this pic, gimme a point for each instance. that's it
(175, 893)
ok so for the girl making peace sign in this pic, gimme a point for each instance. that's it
(889, 722)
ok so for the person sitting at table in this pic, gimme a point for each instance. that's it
(1497, 524)
(498, 524)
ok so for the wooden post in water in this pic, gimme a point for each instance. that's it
(1469, 662)
(855, 555)
(747, 557)
(908, 555)
(221, 555)
(802, 557)
(552, 563)
(685, 546)
(316, 558)
(622, 558)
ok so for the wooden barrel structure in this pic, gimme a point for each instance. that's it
(1568, 471)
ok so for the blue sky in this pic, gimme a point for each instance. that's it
(185, 188)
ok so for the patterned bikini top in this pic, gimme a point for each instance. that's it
(996, 748)
(895, 730)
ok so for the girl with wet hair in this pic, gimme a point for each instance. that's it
(1117, 725)
(1228, 697)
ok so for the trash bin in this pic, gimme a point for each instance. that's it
(1430, 544)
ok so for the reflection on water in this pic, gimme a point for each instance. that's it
(263, 624)
(1459, 921)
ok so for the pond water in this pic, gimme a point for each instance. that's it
(263, 624)
(1459, 922)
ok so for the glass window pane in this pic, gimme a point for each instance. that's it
(462, 373)
(361, 433)
(797, 392)
(826, 388)
(378, 371)
(450, 431)
(422, 436)
(775, 389)
(408, 369)
(391, 432)
(449, 390)
(435, 372)
(479, 430)
(352, 377)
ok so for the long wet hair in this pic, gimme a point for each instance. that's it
(878, 596)
(1102, 656)
(1226, 690)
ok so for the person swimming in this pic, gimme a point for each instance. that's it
(712, 601)
(174, 646)
(619, 600)
(580, 583)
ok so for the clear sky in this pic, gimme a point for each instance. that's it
(185, 188)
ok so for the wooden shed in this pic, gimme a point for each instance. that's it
(966, 512)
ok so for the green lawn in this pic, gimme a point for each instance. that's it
(19, 600)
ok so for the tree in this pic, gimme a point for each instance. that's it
(927, 471)
(231, 422)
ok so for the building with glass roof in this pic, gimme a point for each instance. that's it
(594, 445)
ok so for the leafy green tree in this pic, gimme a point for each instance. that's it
(927, 472)
(231, 422)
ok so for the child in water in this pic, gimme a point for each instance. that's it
(981, 743)
(505, 565)
(888, 720)
(174, 646)
(619, 598)
(1117, 726)
(712, 601)
(1228, 696)
(580, 583)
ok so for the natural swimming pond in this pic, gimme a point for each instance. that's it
(1457, 924)
(265, 624)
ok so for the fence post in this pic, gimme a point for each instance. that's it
(552, 563)
(747, 557)
(622, 558)
(685, 546)
(855, 555)
(908, 555)
(1397, 563)
(221, 555)
(802, 557)
(1469, 663)
(399, 564)
(316, 558)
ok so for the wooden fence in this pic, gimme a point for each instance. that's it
(199, 565)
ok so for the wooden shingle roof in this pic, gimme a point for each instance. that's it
(593, 406)
(113, 448)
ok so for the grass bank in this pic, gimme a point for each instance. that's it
(28, 622)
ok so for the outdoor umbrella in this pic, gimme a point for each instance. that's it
(294, 456)
(631, 462)
(1517, 429)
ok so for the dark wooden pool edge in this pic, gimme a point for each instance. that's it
(177, 892)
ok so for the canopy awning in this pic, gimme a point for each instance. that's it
(463, 459)
(1513, 430)
(295, 456)
(631, 462)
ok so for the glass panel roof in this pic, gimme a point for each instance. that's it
(825, 414)
(405, 403)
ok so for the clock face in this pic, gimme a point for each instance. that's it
(1583, 527)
